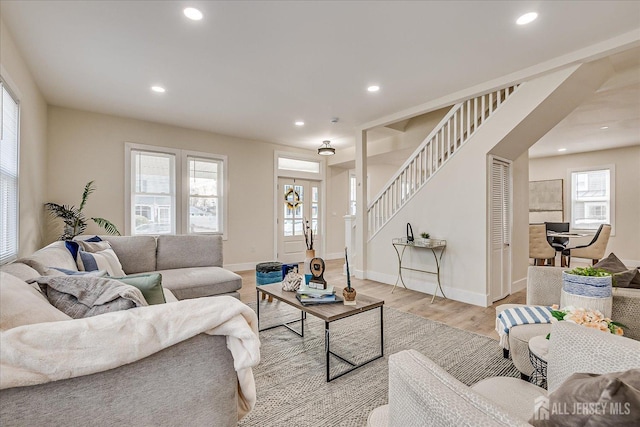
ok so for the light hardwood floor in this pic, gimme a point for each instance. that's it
(457, 314)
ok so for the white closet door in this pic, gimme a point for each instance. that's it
(500, 229)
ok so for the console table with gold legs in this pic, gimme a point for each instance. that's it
(437, 248)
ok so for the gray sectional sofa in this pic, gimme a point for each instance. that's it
(192, 382)
(191, 265)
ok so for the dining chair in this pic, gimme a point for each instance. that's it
(594, 250)
(539, 247)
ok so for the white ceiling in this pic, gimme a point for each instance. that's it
(252, 68)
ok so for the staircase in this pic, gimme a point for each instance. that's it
(433, 153)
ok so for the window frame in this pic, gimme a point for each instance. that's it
(612, 192)
(4, 85)
(180, 180)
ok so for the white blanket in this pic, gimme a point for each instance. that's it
(44, 352)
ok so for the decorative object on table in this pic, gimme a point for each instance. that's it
(587, 287)
(425, 235)
(317, 271)
(310, 296)
(291, 282)
(587, 317)
(349, 293)
(268, 272)
(310, 252)
(74, 220)
(409, 233)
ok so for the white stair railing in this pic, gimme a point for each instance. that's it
(444, 141)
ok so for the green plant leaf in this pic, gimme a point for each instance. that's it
(108, 226)
(88, 189)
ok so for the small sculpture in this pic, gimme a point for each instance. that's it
(292, 280)
(317, 271)
(348, 293)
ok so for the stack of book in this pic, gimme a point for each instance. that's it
(310, 296)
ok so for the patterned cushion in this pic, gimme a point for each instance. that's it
(98, 256)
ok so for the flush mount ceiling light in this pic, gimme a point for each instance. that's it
(326, 149)
(373, 88)
(562, 149)
(527, 18)
(192, 13)
(604, 127)
(158, 89)
(299, 123)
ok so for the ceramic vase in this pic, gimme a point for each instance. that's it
(310, 254)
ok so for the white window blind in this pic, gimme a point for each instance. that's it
(8, 177)
(153, 194)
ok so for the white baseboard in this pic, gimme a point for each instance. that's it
(245, 266)
(337, 255)
(519, 285)
(428, 287)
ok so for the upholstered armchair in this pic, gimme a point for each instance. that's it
(544, 285)
(539, 247)
(423, 394)
(594, 250)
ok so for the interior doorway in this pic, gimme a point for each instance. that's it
(298, 203)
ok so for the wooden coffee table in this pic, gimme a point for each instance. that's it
(327, 312)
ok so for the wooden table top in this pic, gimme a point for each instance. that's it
(326, 312)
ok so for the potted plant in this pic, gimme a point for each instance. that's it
(74, 220)
(587, 287)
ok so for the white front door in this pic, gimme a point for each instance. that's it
(500, 229)
(298, 203)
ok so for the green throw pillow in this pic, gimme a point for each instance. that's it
(149, 284)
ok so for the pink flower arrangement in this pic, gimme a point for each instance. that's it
(587, 317)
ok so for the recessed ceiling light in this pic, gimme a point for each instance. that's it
(527, 18)
(158, 89)
(193, 13)
(373, 88)
(604, 127)
(562, 149)
(299, 123)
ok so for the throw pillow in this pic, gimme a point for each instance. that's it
(622, 277)
(149, 284)
(98, 256)
(21, 304)
(72, 245)
(611, 399)
(85, 296)
(611, 263)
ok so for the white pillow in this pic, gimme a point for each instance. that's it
(21, 304)
(94, 256)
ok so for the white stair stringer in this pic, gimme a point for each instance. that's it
(453, 131)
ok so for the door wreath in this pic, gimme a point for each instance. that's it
(292, 198)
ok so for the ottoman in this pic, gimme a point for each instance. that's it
(268, 272)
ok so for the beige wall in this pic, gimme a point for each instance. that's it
(520, 222)
(33, 148)
(626, 241)
(86, 146)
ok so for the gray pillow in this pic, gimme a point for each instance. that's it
(594, 400)
(85, 296)
(622, 277)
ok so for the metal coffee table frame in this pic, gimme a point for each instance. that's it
(313, 310)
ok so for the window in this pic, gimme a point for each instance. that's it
(8, 176)
(352, 193)
(592, 198)
(175, 191)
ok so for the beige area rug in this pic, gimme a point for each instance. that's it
(291, 384)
